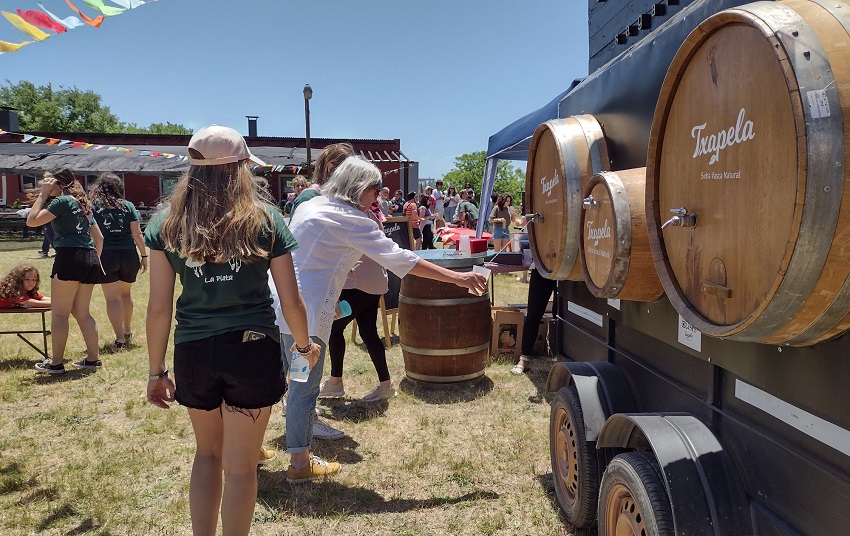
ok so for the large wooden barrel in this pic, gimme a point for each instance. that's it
(749, 137)
(615, 254)
(444, 330)
(564, 154)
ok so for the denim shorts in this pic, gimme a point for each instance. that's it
(247, 375)
(501, 233)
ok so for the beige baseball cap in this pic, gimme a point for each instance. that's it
(220, 145)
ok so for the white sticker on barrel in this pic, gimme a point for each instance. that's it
(585, 313)
(818, 103)
(811, 425)
(689, 336)
(614, 302)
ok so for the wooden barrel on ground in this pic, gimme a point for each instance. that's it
(564, 154)
(444, 330)
(615, 254)
(748, 148)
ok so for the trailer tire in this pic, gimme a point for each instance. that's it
(574, 467)
(633, 499)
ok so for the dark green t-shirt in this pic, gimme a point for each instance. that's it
(114, 223)
(306, 195)
(232, 296)
(71, 226)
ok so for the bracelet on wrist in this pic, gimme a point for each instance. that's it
(144, 256)
(306, 350)
(163, 374)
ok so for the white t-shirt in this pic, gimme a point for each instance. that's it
(438, 199)
(332, 236)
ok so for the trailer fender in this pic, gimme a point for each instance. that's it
(705, 491)
(602, 390)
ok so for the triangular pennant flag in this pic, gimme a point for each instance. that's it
(68, 22)
(6, 46)
(2, 131)
(27, 137)
(64, 142)
(37, 18)
(106, 10)
(87, 145)
(95, 148)
(128, 4)
(77, 144)
(52, 141)
(37, 139)
(96, 22)
(112, 148)
(25, 27)
(145, 153)
(156, 154)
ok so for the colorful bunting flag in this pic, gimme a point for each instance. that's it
(25, 27)
(96, 22)
(128, 4)
(42, 20)
(69, 22)
(6, 46)
(106, 10)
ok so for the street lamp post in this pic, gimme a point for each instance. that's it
(308, 94)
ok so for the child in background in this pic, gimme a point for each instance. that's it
(20, 288)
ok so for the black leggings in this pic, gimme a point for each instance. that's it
(540, 290)
(427, 238)
(364, 309)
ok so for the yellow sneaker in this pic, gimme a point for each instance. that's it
(266, 455)
(317, 468)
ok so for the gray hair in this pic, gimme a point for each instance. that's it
(353, 177)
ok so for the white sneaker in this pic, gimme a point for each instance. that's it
(322, 430)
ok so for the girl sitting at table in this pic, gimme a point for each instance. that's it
(20, 288)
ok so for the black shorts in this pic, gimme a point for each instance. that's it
(77, 264)
(247, 375)
(417, 234)
(120, 265)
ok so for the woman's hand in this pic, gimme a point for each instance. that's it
(160, 391)
(143, 261)
(312, 356)
(474, 281)
(48, 184)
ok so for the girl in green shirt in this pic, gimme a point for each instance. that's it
(62, 202)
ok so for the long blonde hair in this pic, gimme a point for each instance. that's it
(218, 213)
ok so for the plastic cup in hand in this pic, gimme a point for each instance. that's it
(344, 308)
(299, 371)
(464, 244)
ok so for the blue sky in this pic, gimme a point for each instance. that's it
(440, 75)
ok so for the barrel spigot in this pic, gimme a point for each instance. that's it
(681, 218)
(589, 202)
(534, 218)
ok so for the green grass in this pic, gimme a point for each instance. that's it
(83, 453)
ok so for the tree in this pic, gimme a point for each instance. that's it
(469, 168)
(44, 109)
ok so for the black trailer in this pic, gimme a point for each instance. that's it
(696, 413)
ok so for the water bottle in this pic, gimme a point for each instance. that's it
(344, 308)
(299, 370)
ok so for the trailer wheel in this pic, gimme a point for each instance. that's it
(573, 459)
(633, 500)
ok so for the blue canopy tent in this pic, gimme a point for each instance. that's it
(512, 143)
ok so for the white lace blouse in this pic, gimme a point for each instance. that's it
(332, 236)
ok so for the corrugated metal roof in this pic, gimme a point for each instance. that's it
(35, 158)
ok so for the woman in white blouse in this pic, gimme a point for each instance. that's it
(333, 233)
